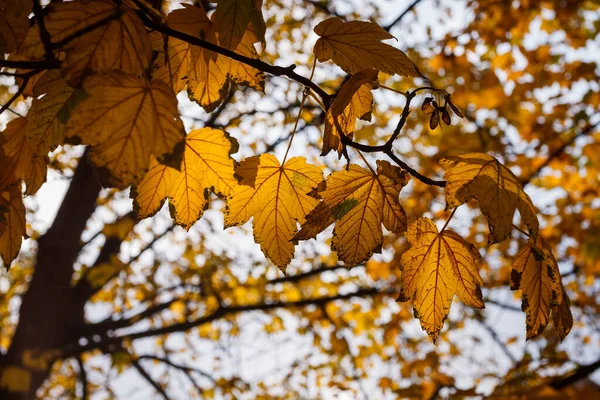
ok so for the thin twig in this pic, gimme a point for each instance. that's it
(20, 91)
(177, 366)
(82, 378)
(402, 15)
(75, 348)
(149, 379)
(497, 339)
(44, 35)
(586, 131)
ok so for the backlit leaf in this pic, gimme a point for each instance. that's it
(14, 216)
(498, 191)
(18, 161)
(354, 100)
(360, 201)
(232, 18)
(120, 44)
(276, 196)
(243, 73)
(203, 72)
(206, 165)
(127, 119)
(535, 272)
(174, 66)
(356, 45)
(436, 267)
(14, 24)
(208, 83)
(48, 115)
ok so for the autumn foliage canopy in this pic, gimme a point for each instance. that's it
(436, 173)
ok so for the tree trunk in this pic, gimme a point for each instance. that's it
(49, 318)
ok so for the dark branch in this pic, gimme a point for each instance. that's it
(503, 305)
(89, 28)
(387, 147)
(221, 312)
(20, 91)
(401, 16)
(559, 151)
(83, 380)
(254, 63)
(579, 373)
(50, 62)
(177, 366)
(497, 339)
(307, 274)
(44, 35)
(149, 379)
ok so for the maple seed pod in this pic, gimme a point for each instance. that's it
(446, 116)
(427, 106)
(435, 119)
(456, 110)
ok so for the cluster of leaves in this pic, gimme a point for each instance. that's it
(106, 74)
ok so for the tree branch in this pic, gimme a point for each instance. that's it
(503, 305)
(26, 78)
(387, 147)
(52, 62)
(556, 153)
(82, 378)
(402, 15)
(149, 379)
(184, 368)
(44, 35)
(75, 348)
(307, 274)
(496, 339)
(253, 62)
(579, 373)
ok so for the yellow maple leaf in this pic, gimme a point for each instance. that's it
(174, 66)
(127, 119)
(11, 201)
(120, 44)
(359, 200)
(535, 271)
(276, 196)
(48, 116)
(18, 161)
(354, 100)
(206, 164)
(356, 45)
(206, 80)
(498, 191)
(240, 72)
(232, 18)
(437, 266)
(207, 84)
(203, 72)
(14, 24)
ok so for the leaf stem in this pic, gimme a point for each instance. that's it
(521, 230)
(448, 220)
(365, 161)
(405, 94)
(304, 96)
